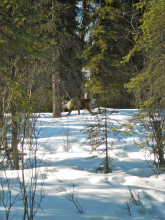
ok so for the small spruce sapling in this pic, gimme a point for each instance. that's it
(98, 133)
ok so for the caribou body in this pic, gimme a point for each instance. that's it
(76, 104)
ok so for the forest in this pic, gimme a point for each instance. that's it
(47, 47)
(51, 51)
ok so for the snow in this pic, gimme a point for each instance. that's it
(101, 196)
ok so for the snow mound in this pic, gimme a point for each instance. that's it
(121, 154)
(119, 179)
(136, 172)
(141, 172)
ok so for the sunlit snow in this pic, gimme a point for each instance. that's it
(101, 196)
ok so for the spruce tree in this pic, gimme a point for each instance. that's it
(148, 84)
(59, 28)
(17, 45)
(110, 38)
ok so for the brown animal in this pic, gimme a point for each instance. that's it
(76, 104)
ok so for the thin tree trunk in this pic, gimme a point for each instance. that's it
(106, 145)
(14, 140)
(23, 176)
(1, 122)
(56, 85)
(56, 80)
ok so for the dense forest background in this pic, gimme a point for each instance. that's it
(46, 47)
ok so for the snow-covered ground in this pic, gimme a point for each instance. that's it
(73, 173)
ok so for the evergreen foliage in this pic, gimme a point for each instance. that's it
(99, 136)
(148, 84)
(110, 38)
(18, 46)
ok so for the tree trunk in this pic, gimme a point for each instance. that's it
(1, 123)
(106, 145)
(14, 140)
(56, 85)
